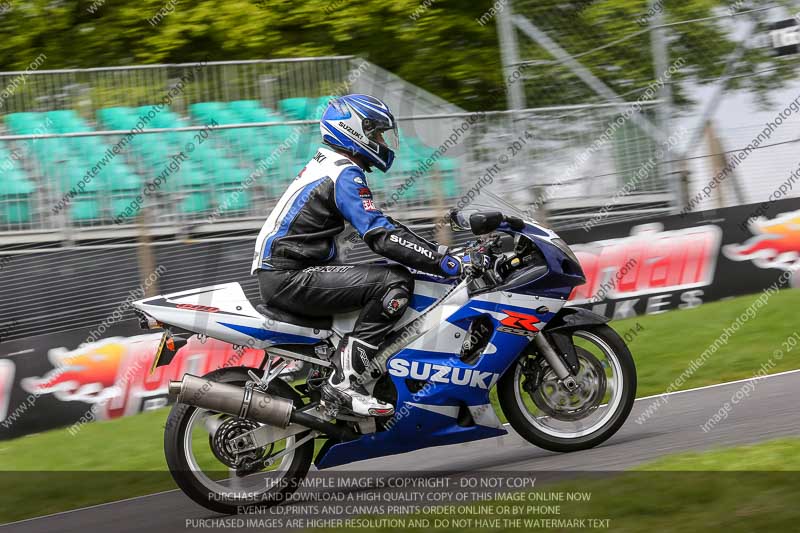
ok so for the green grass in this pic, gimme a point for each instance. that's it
(781, 455)
(663, 346)
(668, 342)
(725, 491)
(104, 462)
(133, 443)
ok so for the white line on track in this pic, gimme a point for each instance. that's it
(719, 385)
(133, 498)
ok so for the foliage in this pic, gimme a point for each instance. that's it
(613, 39)
(436, 44)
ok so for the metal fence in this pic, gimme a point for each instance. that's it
(719, 71)
(207, 174)
(223, 137)
(89, 90)
(210, 146)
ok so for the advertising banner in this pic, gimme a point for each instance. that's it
(682, 261)
(54, 380)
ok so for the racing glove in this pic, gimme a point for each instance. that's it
(476, 260)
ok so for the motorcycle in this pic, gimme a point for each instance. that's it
(243, 437)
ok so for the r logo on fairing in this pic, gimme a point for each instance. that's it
(442, 373)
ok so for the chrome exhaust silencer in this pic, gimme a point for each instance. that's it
(243, 402)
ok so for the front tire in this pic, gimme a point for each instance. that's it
(553, 426)
(199, 486)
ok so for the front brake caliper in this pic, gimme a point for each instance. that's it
(533, 370)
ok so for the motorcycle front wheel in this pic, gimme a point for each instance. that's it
(549, 416)
(195, 439)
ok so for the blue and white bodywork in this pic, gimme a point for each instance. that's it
(454, 344)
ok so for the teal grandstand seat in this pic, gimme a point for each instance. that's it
(124, 187)
(204, 111)
(259, 115)
(207, 153)
(29, 123)
(116, 118)
(85, 205)
(143, 111)
(48, 150)
(229, 194)
(223, 171)
(182, 138)
(66, 121)
(22, 123)
(448, 172)
(16, 197)
(299, 108)
(241, 106)
(194, 189)
(166, 119)
(91, 149)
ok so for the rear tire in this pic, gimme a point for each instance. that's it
(519, 417)
(192, 486)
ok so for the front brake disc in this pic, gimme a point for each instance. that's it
(553, 399)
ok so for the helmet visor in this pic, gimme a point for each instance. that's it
(382, 132)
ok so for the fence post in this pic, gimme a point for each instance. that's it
(146, 258)
(660, 51)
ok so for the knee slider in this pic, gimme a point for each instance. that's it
(395, 301)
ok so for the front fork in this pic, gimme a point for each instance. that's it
(555, 361)
(555, 344)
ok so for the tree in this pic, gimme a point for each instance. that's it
(436, 44)
(614, 41)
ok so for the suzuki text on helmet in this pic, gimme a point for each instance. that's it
(363, 126)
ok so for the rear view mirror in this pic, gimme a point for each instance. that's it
(457, 220)
(515, 223)
(485, 222)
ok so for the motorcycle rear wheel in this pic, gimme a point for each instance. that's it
(213, 493)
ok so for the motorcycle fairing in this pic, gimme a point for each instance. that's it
(223, 312)
(453, 405)
(441, 399)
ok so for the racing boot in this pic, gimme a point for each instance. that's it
(345, 389)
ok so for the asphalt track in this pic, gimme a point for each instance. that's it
(769, 412)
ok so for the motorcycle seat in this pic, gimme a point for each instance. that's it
(316, 322)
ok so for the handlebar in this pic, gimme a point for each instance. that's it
(500, 265)
(480, 261)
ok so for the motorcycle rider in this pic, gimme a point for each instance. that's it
(295, 254)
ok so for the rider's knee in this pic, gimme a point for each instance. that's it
(399, 276)
(399, 288)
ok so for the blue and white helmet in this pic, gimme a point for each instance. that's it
(362, 125)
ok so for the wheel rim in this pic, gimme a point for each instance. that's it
(202, 424)
(571, 426)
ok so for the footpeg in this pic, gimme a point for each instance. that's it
(329, 409)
